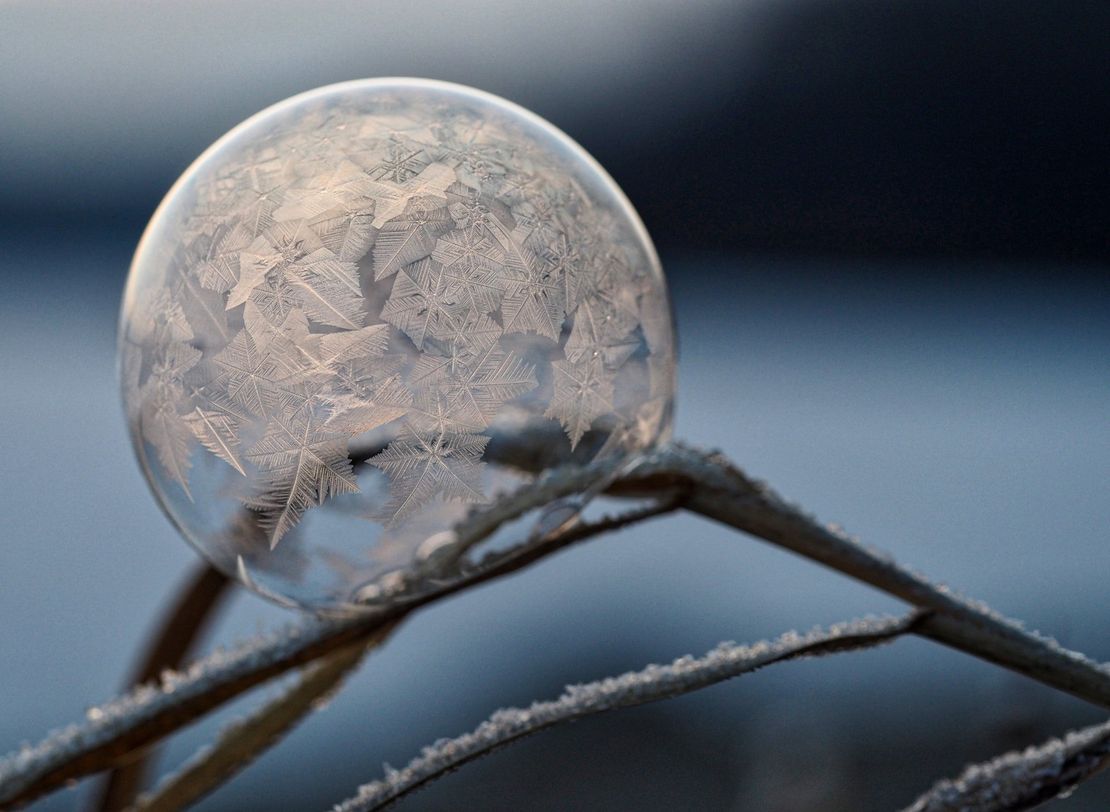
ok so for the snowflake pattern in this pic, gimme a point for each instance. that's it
(406, 263)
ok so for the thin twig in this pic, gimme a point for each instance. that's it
(720, 491)
(114, 730)
(651, 684)
(1023, 780)
(504, 563)
(182, 625)
(710, 485)
(246, 739)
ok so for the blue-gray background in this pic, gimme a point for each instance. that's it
(885, 227)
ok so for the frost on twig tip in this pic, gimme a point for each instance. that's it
(633, 688)
(1023, 780)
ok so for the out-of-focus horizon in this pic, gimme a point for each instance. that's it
(885, 228)
(856, 127)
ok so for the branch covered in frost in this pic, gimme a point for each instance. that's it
(653, 683)
(1023, 780)
(673, 475)
(718, 490)
(112, 732)
(116, 729)
(245, 739)
(186, 619)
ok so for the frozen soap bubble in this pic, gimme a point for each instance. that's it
(371, 308)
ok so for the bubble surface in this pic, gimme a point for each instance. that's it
(369, 309)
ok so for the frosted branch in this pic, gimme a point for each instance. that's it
(651, 684)
(112, 731)
(148, 713)
(246, 739)
(718, 490)
(190, 613)
(1023, 780)
(671, 476)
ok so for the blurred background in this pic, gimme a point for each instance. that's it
(885, 228)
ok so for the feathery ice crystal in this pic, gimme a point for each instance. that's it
(368, 309)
